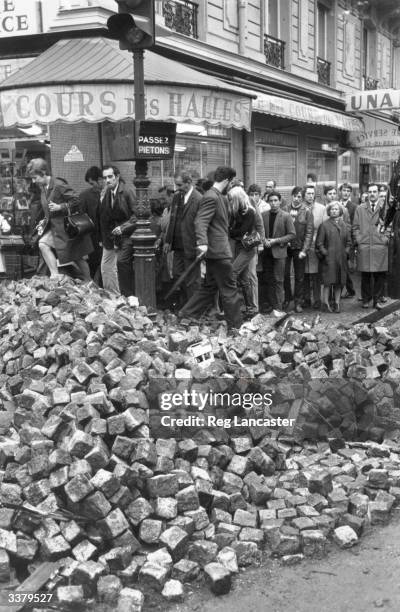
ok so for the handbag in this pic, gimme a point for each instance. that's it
(250, 240)
(38, 231)
(78, 224)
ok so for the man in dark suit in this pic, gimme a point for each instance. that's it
(117, 223)
(212, 240)
(180, 234)
(345, 193)
(90, 202)
(279, 231)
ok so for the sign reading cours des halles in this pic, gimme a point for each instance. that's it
(19, 17)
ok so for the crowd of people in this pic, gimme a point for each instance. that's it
(244, 250)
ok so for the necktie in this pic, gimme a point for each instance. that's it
(373, 208)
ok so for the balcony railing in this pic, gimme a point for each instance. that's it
(274, 51)
(370, 83)
(323, 71)
(181, 16)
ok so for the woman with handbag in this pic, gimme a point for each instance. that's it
(245, 231)
(59, 205)
(332, 244)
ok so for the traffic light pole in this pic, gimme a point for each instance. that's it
(143, 238)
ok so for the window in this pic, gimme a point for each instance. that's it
(278, 164)
(272, 18)
(322, 31)
(324, 165)
(369, 59)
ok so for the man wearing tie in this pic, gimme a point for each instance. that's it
(117, 223)
(371, 241)
(180, 234)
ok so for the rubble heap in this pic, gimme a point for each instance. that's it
(83, 481)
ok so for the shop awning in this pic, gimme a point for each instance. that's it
(92, 80)
(307, 113)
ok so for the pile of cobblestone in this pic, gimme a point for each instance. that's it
(84, 480)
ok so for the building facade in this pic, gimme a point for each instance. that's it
(296, 60)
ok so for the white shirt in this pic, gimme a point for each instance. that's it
(187, 195)
(263, 206)
(4, 224)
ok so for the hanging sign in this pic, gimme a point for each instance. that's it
(130, 140)
(155, 140)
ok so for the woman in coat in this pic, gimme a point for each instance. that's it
(332, 245)
(244, 221)
(58, 200)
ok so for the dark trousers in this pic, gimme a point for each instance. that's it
(192, 282)
(126, 277)
(273, 276)
(94, 261)
(219, 277)
(312, 285)
(372, 285)
(299, 266)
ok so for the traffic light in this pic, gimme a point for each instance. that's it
(134, 25)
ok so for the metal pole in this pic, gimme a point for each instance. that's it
(143, 238)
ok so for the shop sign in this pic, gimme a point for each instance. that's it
(282, 107)
(375, 100)
(377, 155)
(19, 17)
(376, 133)
(151, 140)
(115, 102)
(155, 140)
(73, 155)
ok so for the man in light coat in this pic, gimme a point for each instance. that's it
(312, 280)
(371, 241)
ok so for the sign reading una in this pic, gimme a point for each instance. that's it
(155, 140)
(373, 100)
(18, 17)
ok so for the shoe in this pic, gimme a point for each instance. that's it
(383, 300)
(317, 305)
(348, 294)
(249, 314)
(336, 307)
(365, 305)
(307, 303)
(378, 305)
(285, 305)
(326, 308)
(298, 308)
(267, 310)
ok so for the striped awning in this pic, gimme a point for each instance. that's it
(92, 80)
(305, 113)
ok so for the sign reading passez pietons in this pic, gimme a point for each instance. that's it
(154, 140)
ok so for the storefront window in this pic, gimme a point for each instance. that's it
(198, 151)
(322, 160)
(380, 173)
(193, 155)
(276, 159)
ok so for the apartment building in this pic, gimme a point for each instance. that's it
(259, 84)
